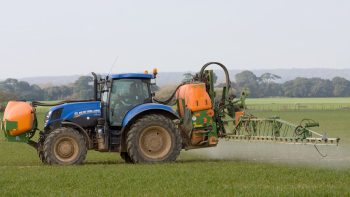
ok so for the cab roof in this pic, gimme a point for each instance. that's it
(133, 75)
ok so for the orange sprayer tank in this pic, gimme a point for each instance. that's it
(195, 96)
(22, 113)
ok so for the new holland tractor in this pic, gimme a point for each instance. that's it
(125, 117)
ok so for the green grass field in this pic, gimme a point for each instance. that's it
(284, 100)
(264, 172)
(298, 104)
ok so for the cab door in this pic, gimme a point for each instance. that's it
(126, 94)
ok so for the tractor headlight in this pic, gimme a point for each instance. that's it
(53, 115)
(47, 117)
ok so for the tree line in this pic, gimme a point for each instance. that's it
(257, 86)
(13, 89)
(265, 86)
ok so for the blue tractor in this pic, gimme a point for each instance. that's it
(122, 117)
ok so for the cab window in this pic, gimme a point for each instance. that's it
(125, 95)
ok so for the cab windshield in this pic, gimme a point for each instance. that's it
(125, 95)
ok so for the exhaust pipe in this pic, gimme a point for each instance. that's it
(95, 86)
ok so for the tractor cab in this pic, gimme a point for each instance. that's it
(126, 92)
(126, 100)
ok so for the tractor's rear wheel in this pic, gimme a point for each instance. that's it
(153, 138)
(64, 146)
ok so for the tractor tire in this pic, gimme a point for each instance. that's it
(152, 139)
(125, 156)
(64, 146)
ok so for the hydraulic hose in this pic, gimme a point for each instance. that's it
(219, 107)
(227, 75)
(167, 101)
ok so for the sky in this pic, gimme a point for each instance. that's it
(50, 38)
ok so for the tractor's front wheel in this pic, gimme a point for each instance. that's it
(64, 146)
(153, 138)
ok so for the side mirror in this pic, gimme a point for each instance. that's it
(109, 84)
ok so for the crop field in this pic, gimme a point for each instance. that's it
(284, 100)
(231, 169)
(298, 104)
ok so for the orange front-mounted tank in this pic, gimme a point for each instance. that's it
(21, 113)
(195, 96)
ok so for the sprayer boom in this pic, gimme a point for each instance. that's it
(277, 130)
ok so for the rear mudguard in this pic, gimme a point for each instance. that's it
(146, 109)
